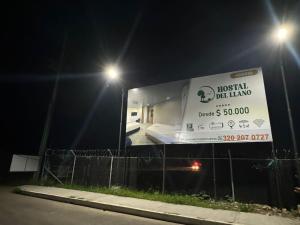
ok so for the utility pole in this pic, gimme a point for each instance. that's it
(51, 107)
(290, 117)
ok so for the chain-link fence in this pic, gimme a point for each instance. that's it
(221, 176)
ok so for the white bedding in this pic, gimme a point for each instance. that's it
(131, 126)
(165, 134)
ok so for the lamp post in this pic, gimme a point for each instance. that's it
(283, 34)
(121, 123)
(113, 73)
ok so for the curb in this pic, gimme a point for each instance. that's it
(127, 210)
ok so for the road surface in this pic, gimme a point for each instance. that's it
(16, 209)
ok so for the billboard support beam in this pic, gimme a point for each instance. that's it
(231, 175)
(121, 123)
(214, 171)
(164, 169)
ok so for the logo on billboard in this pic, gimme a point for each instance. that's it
(216, 125)
(244, 124)
(258, 122)
(201, 127)
(231, 123)
(206, 94)
(189, 127)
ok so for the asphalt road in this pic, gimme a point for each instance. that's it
(16, 209)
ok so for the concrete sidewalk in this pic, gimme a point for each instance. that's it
(157, 210)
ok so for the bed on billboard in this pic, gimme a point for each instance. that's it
(228, 107)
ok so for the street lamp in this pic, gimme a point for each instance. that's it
(113, 73)
(282, 35)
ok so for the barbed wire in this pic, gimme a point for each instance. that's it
(105, 153)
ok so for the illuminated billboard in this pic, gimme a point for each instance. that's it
(228, 107)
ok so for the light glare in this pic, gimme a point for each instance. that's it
(112, 72)
(195, 168)
(283, 33)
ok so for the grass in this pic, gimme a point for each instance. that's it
(17, 190)
(200, 200)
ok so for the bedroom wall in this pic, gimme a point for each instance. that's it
(134, 118)
(145, 114)
(140, 112)
(168, 112)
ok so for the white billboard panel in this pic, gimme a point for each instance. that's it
(24, 163)
(228, 107)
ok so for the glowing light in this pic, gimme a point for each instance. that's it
(135, 90)
(283, 33)
(112, 72)
(196, 166)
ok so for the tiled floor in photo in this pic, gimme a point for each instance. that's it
(140, 138)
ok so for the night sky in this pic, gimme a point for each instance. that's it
(154, 41)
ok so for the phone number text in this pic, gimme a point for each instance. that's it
(246, 137)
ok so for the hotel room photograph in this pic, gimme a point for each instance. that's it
(149, 120)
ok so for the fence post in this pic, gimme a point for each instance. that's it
(111, 165)
(74, 163)
(277, 179)
(231, 175)
(214, 171)
(45, 161)
(52, 174)
(164, 169)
